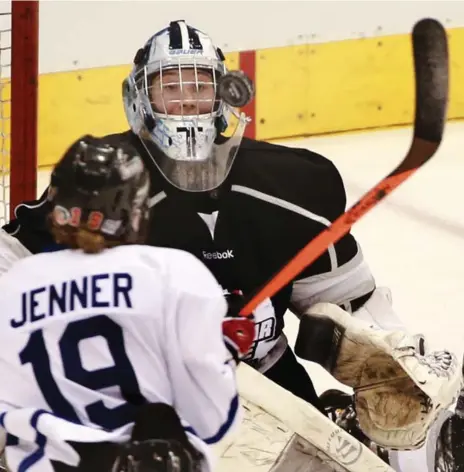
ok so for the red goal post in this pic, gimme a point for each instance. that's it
(19, 71)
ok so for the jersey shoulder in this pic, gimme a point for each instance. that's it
(181, 270)
(295, 175)
(171, 267)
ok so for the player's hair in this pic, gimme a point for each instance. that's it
(88, 241)
(80, 238)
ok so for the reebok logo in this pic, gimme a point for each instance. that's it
(229, 254)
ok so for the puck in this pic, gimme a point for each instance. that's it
(236, 88)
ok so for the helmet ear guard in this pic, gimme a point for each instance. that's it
(136, 107)
(138, 114)
(149, 121)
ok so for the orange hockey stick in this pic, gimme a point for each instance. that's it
(430, 50)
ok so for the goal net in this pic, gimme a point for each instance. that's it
(19, 26)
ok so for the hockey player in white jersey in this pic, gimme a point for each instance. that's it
(117, 356)
(11, 250)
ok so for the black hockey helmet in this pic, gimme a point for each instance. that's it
(103, 188)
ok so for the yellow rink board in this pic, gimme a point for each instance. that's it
(301, 90)
(346, 85)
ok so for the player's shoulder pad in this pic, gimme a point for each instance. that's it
(296, 175)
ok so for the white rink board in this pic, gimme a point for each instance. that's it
(84, 34)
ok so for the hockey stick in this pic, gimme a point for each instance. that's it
(430, 51)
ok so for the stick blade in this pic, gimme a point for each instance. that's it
(430, 50)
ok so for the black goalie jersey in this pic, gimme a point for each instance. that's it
(273, 202)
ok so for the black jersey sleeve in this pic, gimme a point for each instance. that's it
(30, 224)
(341, 275)
(294, 194)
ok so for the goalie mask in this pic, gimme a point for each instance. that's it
(103, 188)
(172, 103)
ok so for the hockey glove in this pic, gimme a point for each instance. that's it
(399, 391)
(238, 331)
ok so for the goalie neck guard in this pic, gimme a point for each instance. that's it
(101, 188)
(172, 103)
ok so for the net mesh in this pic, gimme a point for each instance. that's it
(5, 110)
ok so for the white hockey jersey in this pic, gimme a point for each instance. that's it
(11, 250)
(86, 337)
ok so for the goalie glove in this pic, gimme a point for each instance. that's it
(399, 391)
(238, 330)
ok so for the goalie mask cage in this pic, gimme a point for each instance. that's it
(19, 30)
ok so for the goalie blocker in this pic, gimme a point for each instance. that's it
(398, 391)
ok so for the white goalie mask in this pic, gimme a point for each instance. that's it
(172, 103)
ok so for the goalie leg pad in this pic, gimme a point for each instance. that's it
(398, 391)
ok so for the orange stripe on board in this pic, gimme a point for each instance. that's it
(247, 63)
